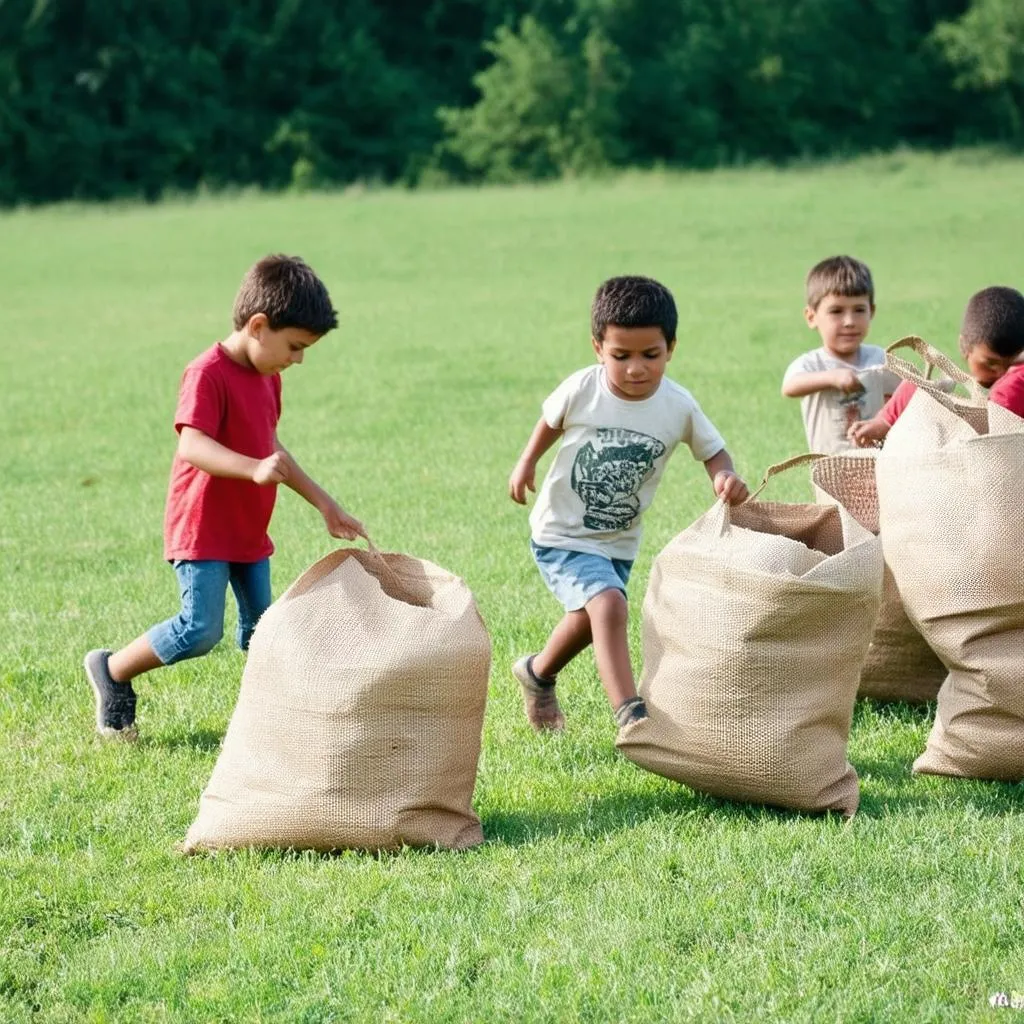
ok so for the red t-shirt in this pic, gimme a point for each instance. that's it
(1008, 391)
(893, 409)
(215, 517)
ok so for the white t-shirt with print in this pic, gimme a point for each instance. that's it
(610, 462)
(829, 414)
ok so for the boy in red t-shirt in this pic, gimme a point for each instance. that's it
(991, 339)
(224, 480)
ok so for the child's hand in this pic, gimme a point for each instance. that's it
(521, 480)
(339, 523)
(846, 381)
(274, 469)
(868, 433)
(730, 488)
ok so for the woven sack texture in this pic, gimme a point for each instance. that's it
(360, 714)
(899, 664)
(755, 623)
(950, 509)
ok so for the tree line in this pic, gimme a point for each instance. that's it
(107, 98)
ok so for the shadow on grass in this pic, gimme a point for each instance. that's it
(901, 791)
(626, 808)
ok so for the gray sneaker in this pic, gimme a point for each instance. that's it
(542, 710)
(115, 702)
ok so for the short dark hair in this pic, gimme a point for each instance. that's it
(633, 302)
(839, 275)
(288, 293)
(994, 316)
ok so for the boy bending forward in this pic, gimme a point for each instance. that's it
(224, 481)
(619, 421)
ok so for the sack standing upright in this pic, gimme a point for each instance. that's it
(360, 714)
(755, 623)
(950, 486)
(899, 664)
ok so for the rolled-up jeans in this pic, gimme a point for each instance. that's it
(199, 625)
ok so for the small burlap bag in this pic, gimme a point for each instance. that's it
(950, 507)
(360, 714)
(755, 624)
(899, 664)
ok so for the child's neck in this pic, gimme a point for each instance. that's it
(236, 348)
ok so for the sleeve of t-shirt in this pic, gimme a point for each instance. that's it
(802, 364)
(1008, 391)
(700, 434)
(557, 405)
(200, 402)
(893, 409)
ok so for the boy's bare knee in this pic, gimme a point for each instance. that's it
(608, 608)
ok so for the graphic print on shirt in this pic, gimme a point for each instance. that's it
(852, 405)
(608, 473)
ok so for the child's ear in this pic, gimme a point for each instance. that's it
(256, 323)
(809, 312)
(597, 348)
(671, 345)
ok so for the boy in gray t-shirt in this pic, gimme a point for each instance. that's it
(618, 422)
(844, 381)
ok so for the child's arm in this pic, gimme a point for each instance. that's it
(203, 452)
(799, 384)
(339, 523)
(522, 478)
(866, 433)
(728, 486)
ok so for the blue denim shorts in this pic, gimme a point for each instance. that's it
(576, 577)
(199, 625)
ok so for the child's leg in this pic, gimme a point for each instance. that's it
(198, 626)
(609, 617)
(250, 582)
(568, 638)
(193, 631)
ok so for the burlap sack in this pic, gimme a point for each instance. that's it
(755, 624)
(950, 502)
(360, 714)
(899, 664)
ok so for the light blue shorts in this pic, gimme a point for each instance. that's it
(576, 577)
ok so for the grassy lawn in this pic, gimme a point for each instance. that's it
(602, 892)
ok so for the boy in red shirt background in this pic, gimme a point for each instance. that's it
(991, 339)
(224, 480)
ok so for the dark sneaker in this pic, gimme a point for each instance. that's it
(630, 711)
(542, 710)
(115, 702)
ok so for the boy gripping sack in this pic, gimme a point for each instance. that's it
(755, 624)
(360, 715)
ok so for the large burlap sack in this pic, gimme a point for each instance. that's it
(755, 624)
(899, 664)
(360, 714)
(950, 501)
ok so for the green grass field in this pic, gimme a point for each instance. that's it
(602, 893)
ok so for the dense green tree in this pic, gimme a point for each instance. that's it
(103, 98)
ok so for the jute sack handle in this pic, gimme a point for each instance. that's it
(717, 519)
(782, 467)
(934, 359)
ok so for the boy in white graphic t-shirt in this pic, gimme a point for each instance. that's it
(619, 422)
(844, 381)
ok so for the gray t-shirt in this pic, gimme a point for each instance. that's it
(828, 414)
(611, 460)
